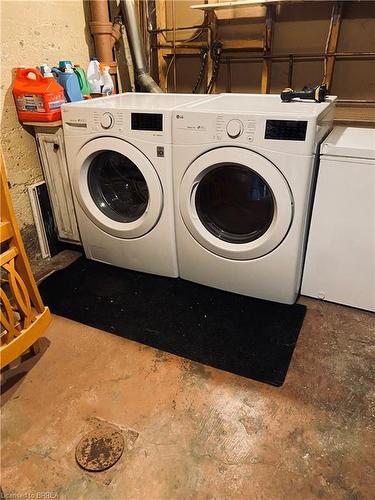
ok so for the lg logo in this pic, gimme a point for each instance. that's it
(179, 117)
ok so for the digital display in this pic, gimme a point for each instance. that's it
(147, 121)
(286, 130)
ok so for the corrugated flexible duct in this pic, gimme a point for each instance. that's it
(131, 22)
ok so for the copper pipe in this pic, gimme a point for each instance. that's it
(105, 34)
(307, 56)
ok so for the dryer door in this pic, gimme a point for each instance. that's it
(117, 187)
(236, 203)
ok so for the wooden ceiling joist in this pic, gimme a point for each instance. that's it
(239, 3)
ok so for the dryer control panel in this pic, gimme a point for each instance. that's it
(234, 128)
(264, 130)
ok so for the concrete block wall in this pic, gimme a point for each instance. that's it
(32, 33)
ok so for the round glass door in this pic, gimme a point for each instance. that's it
(235, 203)
(117, 186)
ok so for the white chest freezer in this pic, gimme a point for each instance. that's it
(340, 257)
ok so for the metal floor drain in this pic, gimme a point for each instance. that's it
(99, 449)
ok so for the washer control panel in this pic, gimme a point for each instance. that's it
(107, 121)
(151, 127)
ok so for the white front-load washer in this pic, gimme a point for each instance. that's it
(243, 177)
(119, 156)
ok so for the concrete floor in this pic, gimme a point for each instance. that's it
(44, 267)
(193, 432)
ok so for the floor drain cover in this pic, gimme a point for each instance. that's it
(100, 449)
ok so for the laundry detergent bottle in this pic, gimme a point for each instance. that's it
(37, 98)
(82, 80)
(69, 81)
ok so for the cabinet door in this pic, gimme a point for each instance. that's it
(340, 264)
(52, 154)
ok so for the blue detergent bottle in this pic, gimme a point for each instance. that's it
(69, 81)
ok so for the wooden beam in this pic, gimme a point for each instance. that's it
(229, 46)
(161, 20)
(267, 63)
(331, 45)
(179, 52)
(256, 45)
(240, 3)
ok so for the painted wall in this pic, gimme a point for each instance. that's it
(33, 32)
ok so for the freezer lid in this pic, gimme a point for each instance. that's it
(350, 142)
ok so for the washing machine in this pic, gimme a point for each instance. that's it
(244, 170)
(119, 155)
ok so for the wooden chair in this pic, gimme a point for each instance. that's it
(24, 317)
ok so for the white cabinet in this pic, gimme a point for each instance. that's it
(52, 154)
(340, 257)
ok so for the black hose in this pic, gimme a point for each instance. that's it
(202, 70)
(217, 49)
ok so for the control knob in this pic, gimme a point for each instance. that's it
(106, 121)
(234, 128)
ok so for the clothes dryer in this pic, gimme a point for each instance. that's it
(243, 177)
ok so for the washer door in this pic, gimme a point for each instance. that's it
(236, 203)
(117, 187)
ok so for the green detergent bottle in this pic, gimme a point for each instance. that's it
(82, 79)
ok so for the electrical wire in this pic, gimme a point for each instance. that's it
(168, 70)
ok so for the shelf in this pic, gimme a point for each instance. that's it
(355, 115)
(43, 124)
(239, 3)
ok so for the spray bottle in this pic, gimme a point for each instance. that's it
(108, 87)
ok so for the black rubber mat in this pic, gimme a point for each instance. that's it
(249, 337)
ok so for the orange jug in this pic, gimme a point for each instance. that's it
(37, 98)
